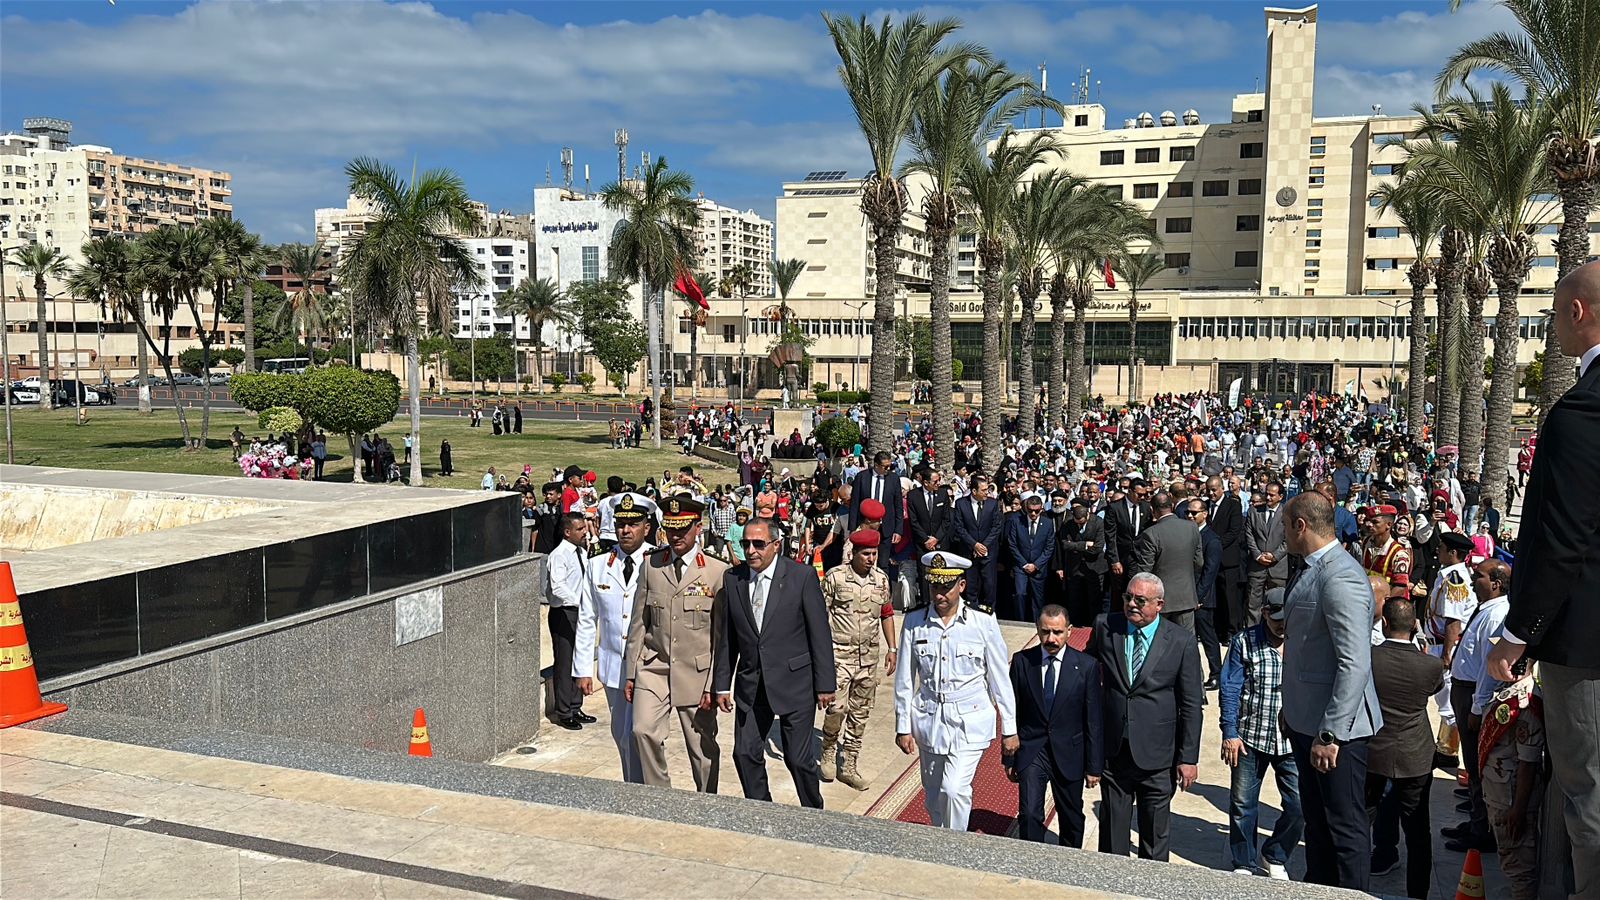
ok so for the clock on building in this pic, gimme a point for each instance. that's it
(1287, 196)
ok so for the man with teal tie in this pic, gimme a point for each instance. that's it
(1152, 697)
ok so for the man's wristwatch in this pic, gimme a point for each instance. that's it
(1326, 737)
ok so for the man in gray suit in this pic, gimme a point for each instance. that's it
(1170, 549)
(1330, 707)
(1268, 555)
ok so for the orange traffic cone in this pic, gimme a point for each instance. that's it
(19, 682)
(816, 560)
(420, 744)
(1471, 886)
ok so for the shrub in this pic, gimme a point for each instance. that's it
(819, 386)
(558, 379)
(282, 419)
(587, 381)
(838, 433)
(843, 398)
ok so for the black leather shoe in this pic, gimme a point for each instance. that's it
(1482, 845)
(586, 719)
(1380, 869)
(1445, 762)
(1464, 806)
(1211, 683)
(570, 724)
(1456, 832)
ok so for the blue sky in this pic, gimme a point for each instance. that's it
(742, 95)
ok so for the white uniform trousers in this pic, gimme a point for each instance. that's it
(947, 785)
(1442, 699)
(622, 734)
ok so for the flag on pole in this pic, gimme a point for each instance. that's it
(1111, 278)
(690, 289)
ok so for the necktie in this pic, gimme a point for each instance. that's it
(877, 488)
(1033, 530)
(1138, 651)
(1133, 513)
(677, 568)
(759, 604)
(627, 570)
(1050, 684)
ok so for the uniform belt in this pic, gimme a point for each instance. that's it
(977, 689)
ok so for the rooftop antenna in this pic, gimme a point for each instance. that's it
(586, 178)
(644, 162)
(566, 167)
(620, 138)
(1044, 89)
(547, 179)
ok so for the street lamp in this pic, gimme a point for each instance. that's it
(1394, 314)
(854, 375)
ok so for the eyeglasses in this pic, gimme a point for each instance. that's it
(754, 544)
(1131, 597)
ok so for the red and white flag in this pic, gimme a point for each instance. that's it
(690, 289)
(1111, 277)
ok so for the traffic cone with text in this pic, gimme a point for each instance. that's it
(1471, 885)
(19, 681)
(816, 560)
(420, 744)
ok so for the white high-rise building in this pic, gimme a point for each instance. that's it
(727, 238)
(504, 263)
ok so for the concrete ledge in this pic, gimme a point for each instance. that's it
(977, 852)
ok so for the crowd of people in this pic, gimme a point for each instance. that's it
(1324, 570)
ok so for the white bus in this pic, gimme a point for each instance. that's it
(290, 365)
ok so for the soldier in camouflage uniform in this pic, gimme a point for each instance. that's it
(1511, 748)
(857, 596)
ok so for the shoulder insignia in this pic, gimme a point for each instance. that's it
(700, 560)
(1453, 577)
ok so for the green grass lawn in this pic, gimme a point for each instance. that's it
(119, 438)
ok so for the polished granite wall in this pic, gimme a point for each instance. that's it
(351, 677)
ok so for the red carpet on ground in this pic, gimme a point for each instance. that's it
(994, 796)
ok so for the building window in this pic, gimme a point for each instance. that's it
(816, 268)
(1313, 243)
(1544, 262)
(1114, 191)
(1383, 232)
(1253, 115)
(1180, 225)
(1381, 264)
(1251, 150)
(1145, 191)
(1180, 189)
(1080, 121)
(1319, 145)
(1386, 169)
(1177, 260)
(591, 263)
(1147, 155)
(1218, 188)
(1249, 186)
(817, 241)
(1244, 258)
(1180, 154)
(1386, 140)
(1247, 223)
(1110, 157)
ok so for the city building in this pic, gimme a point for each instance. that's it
(726, 238)
(820, 221)
(504, 264)
(62, 195)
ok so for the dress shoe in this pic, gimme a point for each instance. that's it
(1211, 683)
(1482, 845)
(1464, 806)
(586, 719)
(1380, 869)
(1445, 762)
(570, 724)
(1463, 793)
(1456, 832)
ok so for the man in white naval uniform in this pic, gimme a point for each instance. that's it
(952, 675)
(1451, 603)
(606, 603)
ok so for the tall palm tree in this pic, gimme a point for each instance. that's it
(1033, 225)
(1421, 217)
(1137, 270)
(990, 185)
(954, 120)
(1475, 295)
(409, 255)
(304, 311)
(539, 302)
(651, 245)
(785, 272)
(1556, 59)
(885, 69)
(161, 262)
(1484, 158)
(41, 263)
(237, 256)
(1455, 249)
(107, 276)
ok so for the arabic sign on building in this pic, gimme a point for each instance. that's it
(570, 226)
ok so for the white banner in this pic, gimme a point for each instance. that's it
(1233, 393)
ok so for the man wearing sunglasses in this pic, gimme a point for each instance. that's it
(774, 653)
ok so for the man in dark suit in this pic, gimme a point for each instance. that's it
(1125, 520)
(1030, 542)
(1330, 709)
(883, 485)
(1080, 563)
(776, 659)
(1225, 515)
(1205, 620)
(1151, 697)
(1400, 757)
(1170, 549)
(1265, 550)
(976, 535)
(1554, 613)
(1059, 723)
(928, 516)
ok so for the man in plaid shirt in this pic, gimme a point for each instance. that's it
(1252, 742)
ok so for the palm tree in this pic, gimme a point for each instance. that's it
(1484, 158)
(1032, 226)
(785, 272)
(955, 119)
(304, 311)
(1421, 217)
(161, 260)
(651, 245)
(540, 302)
(1556, 59)
(409, 254)
(740, 281)
(1475, 295)
(885, 69)
(107, 276)
(1137, 270)
(990, 185)
(1455, 249)
(41, 263)
(237, 256)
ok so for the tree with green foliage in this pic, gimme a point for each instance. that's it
(107, 275)
(304, 312)
(539, 302)
(619, 346)
(265, 298)
(493, 357)
(1137, 270)
(838, 433)
(351, 402)
(594, 303)
(173, 264)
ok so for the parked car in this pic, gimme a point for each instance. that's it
(186, 380)
(21, 395)
(69, 392)
(137, 380)
(221, 378)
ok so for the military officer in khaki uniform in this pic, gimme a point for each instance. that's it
(669, 653)
(857, 597)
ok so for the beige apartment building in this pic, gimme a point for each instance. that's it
(726, 238)
(62, 195)
(1280, 270)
